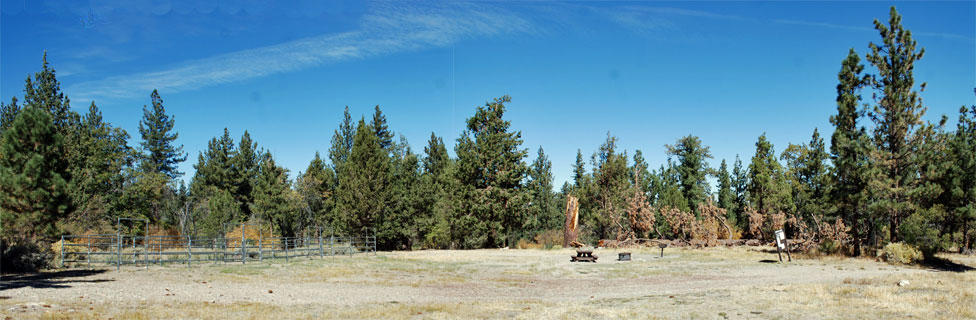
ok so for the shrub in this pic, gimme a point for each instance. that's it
(24, 257)
(526, 244)
(549, 238)
(828, 247)
(921, 230)
(898, 252)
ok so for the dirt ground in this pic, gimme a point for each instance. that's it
(715, 283)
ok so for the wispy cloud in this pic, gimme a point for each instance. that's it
(382, 31)
(869, 29)
(654, 19)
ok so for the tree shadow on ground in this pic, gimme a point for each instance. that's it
(943, 264)
(46, 280)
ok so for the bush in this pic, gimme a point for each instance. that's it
(922, 230)
(24, 257)
(898, 252)
(526, 244)
(550, 238)
(829, 247)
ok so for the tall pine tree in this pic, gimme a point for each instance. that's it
(33, 194)
(490, 168)
(897, 118)
(160, 154)
(692, 168)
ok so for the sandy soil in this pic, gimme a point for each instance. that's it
(742, 282)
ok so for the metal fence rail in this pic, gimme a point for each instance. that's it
(119, 249)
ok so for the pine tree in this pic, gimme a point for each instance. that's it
(542, 207)
(98, 180)
(740, 185)
(215, 167)
(342, 141)
(160, 155)
(640, 169)
(316, 190)
(896, 117)
(273, 199)
(692, 168)
(667, 188)
(768, 190)
(808, 178)
(44, 92)
(33, 194)
(150, 189)
(579, 171)
(490, 168)
(437, 197)
(726, 194)
(8, 112)
(436, 158)
(364, 183)
(399, 228)
(611, 179)
(212, 188)
(381, 129)
(961, 180)
(247, 164)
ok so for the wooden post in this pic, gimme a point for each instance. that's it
(243, 251)
(787, 245)
(189, 251)
(62, 251)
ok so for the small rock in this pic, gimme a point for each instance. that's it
(269, 291)
(903, 283)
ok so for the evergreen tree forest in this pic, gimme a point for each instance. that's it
(880, 175)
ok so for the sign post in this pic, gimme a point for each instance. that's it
(781, 244)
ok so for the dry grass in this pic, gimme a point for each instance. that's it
(714, 283)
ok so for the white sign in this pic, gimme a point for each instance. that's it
(780, 237)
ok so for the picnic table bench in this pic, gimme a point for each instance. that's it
(583, 256)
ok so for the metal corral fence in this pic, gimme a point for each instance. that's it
(119, 249)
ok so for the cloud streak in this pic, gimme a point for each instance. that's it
(383, 31)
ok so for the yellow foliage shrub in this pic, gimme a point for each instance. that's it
(898, 252)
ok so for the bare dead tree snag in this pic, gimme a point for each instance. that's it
(572, 221)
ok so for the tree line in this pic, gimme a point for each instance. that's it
(886, 176)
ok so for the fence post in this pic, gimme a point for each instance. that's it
(189, 251)
(118, 246)
(88, 247)
(321, 251)
(260, 249)
(62, 251)
(286, 249)
(243, 250)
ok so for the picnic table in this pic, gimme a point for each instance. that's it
(583, 256)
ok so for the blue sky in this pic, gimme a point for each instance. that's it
(647, 72)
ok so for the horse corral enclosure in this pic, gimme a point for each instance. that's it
(99, 250)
